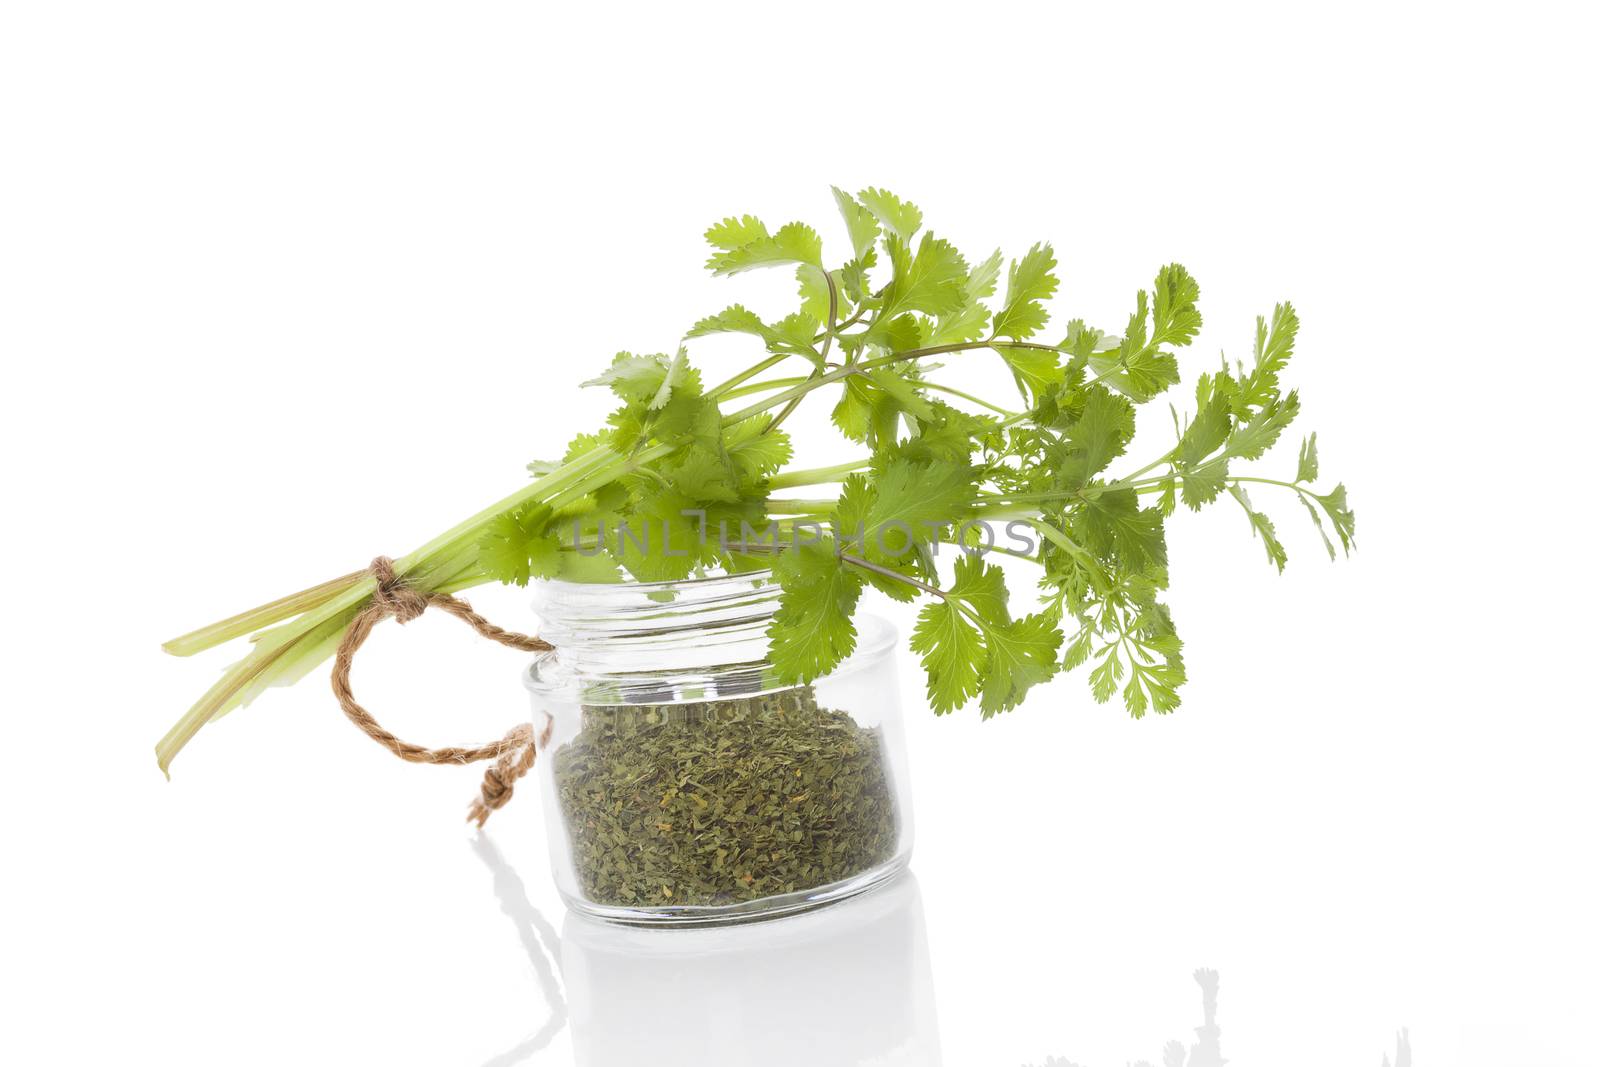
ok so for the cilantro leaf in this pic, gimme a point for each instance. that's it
(1339, 513)
(634, 378)
(756, 452)
(1274, 346)
(736, 318)
(953, 654)
(982, 279)
(1306, 470)
(736, 232)
(794, 243)
(934, 280)
(518, 545)
(1262, 527)
(1099, 435)
(812, 631)
(899, 217)
(1021, 655)
(1030, 281)
(1175, 317)
(1112, 525)
(862, 223)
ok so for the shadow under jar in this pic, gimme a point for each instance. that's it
(682, 784)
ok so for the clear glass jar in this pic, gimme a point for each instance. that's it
(682, 784)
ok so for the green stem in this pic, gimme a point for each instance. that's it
(248, 622)
(817, 475)
(745, 375)
(298, 645)
(799, 507)
(926, 384)
(760, 387)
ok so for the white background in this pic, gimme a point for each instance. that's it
(283, 286)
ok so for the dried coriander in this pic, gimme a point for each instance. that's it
(718, 802)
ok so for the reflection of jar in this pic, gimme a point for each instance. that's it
(846, 985)
(682, 783)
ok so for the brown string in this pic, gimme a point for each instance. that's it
(513, 754)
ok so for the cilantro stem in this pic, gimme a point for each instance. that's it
(248, 622)
(816, 475)
(788, 506)
(926, 384)
(746, 374)
(889, 572)
(753, 388)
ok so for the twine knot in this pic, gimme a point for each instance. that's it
(397, 598)
(513, 754)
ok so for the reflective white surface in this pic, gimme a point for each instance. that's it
(284, 286)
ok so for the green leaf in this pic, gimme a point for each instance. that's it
(981, 586)
(1339, 513)
(965, 324)
(1030, 281)
(661, 543)
(1202, 484)
(1100, 434)
(1133, 697)
(1262, 527)
(1021, 655)
(797, 330)
(1274, 346)
(1207, 433)
(853, 414)
(517, 546)
(1316, 519)
(1307, 469)
(814, 296)
(918, 495)
(1174, 316)
(732, 232)
(861, 223)
(902, 334)
(982, 279)
(578, 567)
(756, 452)
(1112, 524)
(1167, 503)
(794, 243)
(900, 217)
(1146, 374)
(1082, 341)
(904, 390)
(734, 319)
(678, 375)
(1078, 651)
(1104, 678)
(853, 276)
(952, 653)
(1251, 439)
(812, 630)
(703, 474)
(934, 281)
(636, 379)
(1036, 371)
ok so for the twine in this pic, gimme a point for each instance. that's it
(513, 754)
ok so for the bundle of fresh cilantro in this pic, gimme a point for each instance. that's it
(681, 480)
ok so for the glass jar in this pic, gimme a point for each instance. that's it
(682, 783)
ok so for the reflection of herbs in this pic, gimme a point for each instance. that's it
(722, 801)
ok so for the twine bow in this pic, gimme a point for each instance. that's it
(513, 754)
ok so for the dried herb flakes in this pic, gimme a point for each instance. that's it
(722, 801)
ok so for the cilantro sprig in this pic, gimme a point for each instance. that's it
(684, 479)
